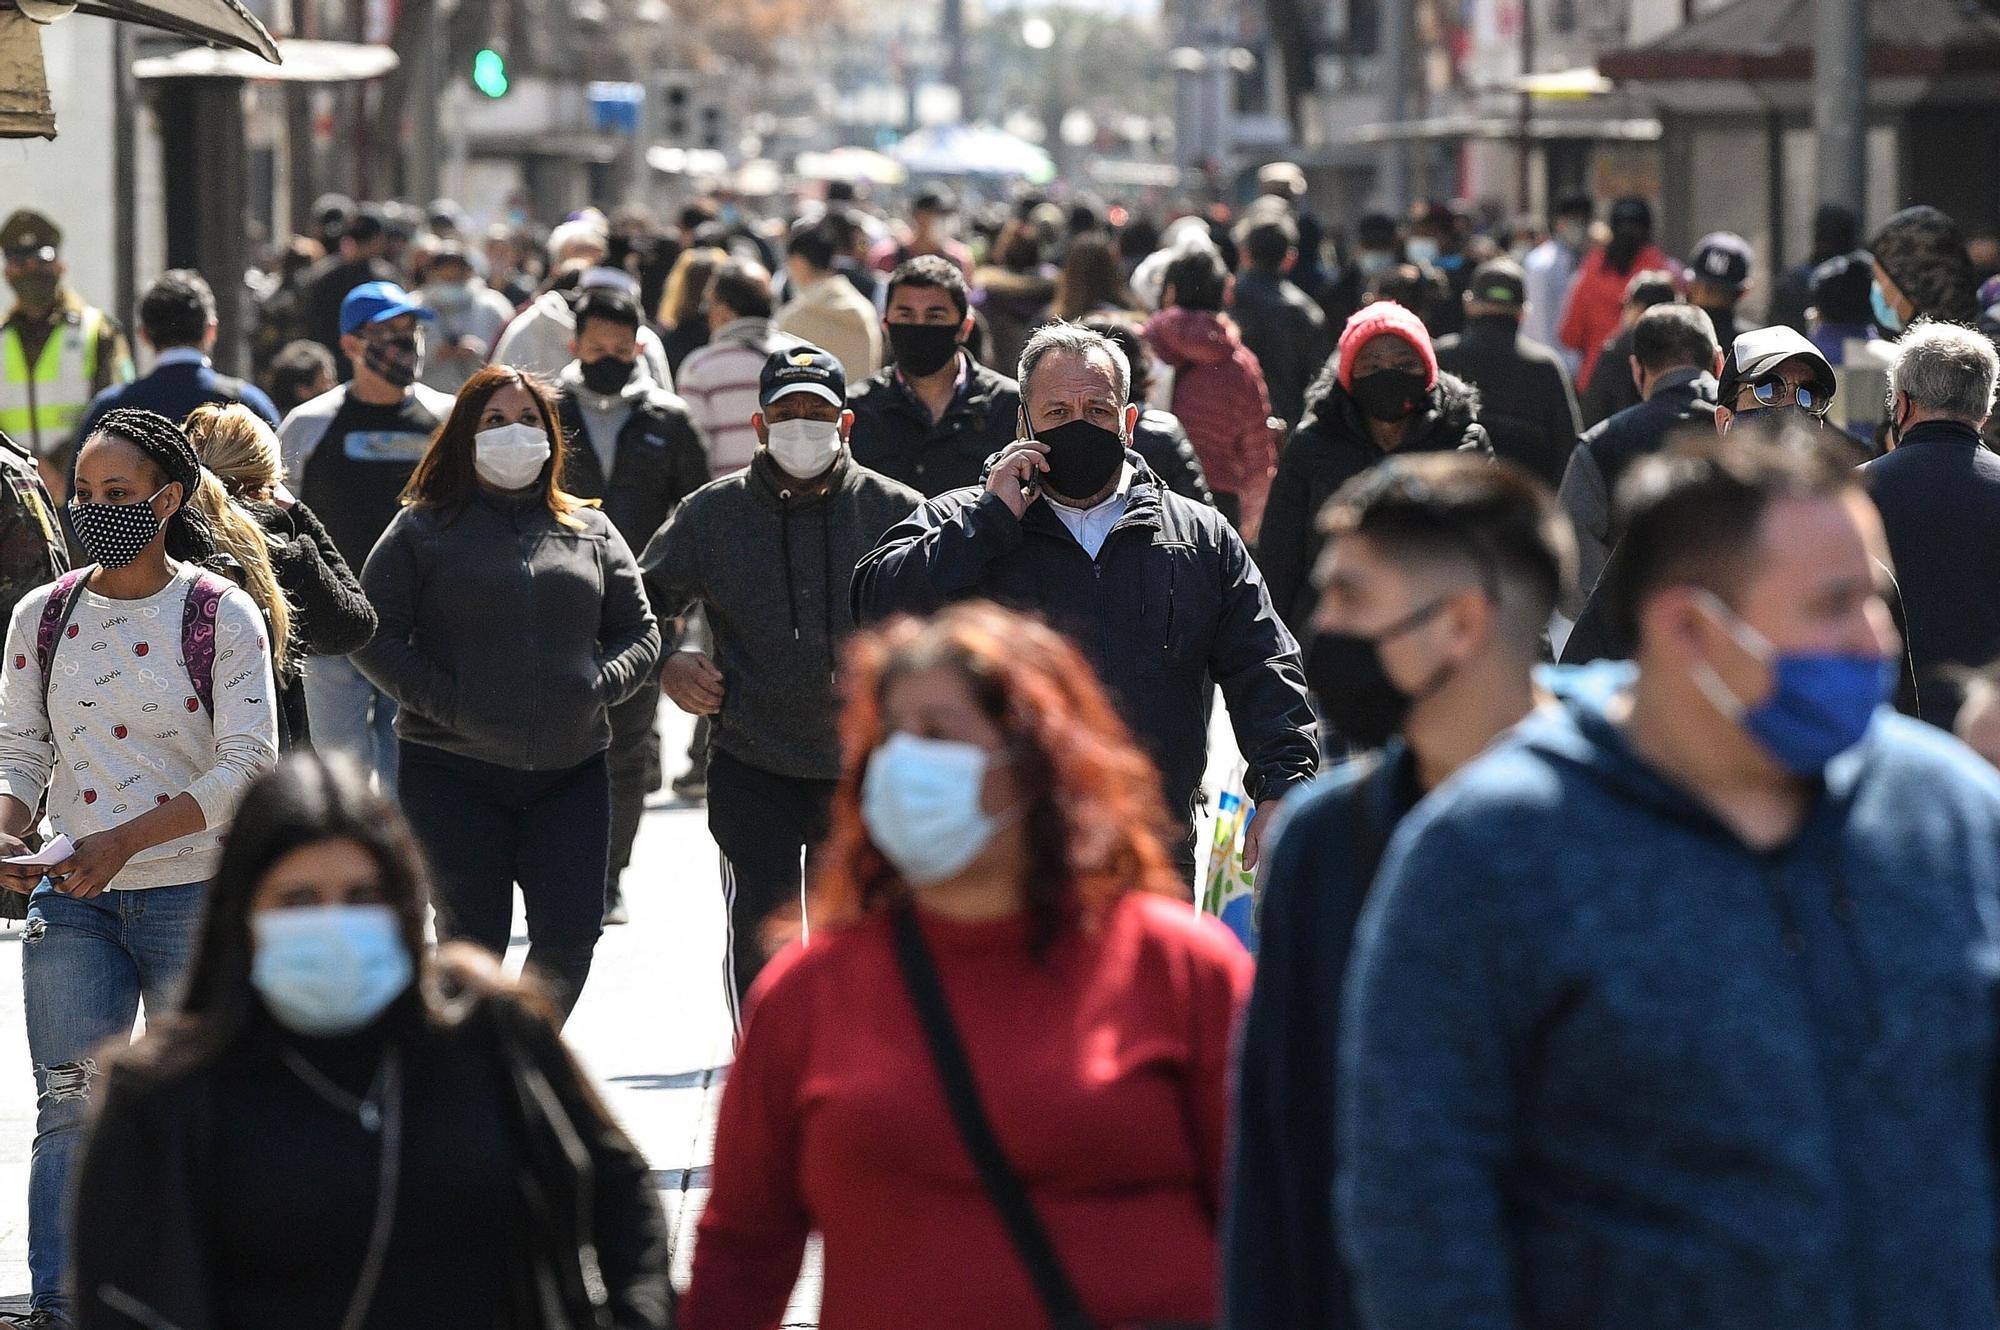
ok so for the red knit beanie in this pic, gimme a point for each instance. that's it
(1385, 316)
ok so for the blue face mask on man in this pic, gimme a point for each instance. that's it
(1820, 704)
(1886, 317)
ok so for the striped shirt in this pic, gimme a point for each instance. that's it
(719, 383)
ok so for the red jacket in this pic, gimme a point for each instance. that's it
(1596, 305)
(1219, 396)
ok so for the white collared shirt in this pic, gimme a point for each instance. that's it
(1091, 525)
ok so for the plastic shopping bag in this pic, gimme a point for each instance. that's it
(1230, 893)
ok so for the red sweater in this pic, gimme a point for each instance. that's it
(1596, 305)
(1103, 1070)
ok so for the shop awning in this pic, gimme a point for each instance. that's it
(1639, 129)
(304, 62)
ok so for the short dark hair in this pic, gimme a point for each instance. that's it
(1198, 279)
(1674, 337)
(1575, 205)
(1692, 514)
(743, 288)
(609, 306)
(297, 367)
(938, 274)
(177, 308)
(1431, 508)
(1268, 239)
(1133, 343)
(814, 242)
(1651, 286)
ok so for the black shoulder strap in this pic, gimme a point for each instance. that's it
(1003, 1185)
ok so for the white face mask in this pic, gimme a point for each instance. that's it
(804, 448)
(920, 801)
(510, 457)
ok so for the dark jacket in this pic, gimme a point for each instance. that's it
(1014, 305)
(1330, 447)
(656, 461)
(1661, 1079)
(1280, 1271)
(596, 1242)
(1525, 400)
(1682, 399)
(331, 615)
(770, 561)
(505, 635)
(174, 390)
(1170, 606)
(1160, 439)
(1939, 495)
(1287, 333)
(1610, 389)
(895, 436)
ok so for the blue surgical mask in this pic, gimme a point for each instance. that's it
(1886, 317)
(1422, 250)
(920, 801)
(329, 970)
(1820, 705)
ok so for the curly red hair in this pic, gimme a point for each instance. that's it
(1097, 822)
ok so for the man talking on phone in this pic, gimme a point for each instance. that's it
(1157, 590)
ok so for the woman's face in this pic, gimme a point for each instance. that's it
(111, 470)
(937, 703)
(328, 872)
(512, 405)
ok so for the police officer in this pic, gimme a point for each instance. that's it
(56, 352)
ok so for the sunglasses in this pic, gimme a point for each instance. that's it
(1777, 392)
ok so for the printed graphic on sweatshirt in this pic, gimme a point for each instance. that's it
(382, 445)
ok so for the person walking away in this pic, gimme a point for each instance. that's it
(1157, 590)
(1436, 245)
(1597, 296)
(243, 556)
(537, 341)
(1921, 270)
(1016, 291)
(300, 371)
(177, 319)
(929, 235)
(766, 554)
(719, 380)
(934, 416)
(1381, 393)
(1092, 281)
(1938, 490)
(1550, 269)
(1842, 325)
(997, 894)
(634, 447)
(1836, 231)
(357, 258)
(1525, 399)
(57, 351)
(137, 706)
(470, 316)
(1754, 977)
(1718, 277)
(1219, 391)
(317, 1098)
(1441, 574)
(1159, 438)
(504, 719)
(348, 454)
(1280, 323)
(1675, 364)
(683, 312)
(1610, 389)
(330, 616)
(824, 308)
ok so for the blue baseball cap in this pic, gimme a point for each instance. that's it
(377, 302)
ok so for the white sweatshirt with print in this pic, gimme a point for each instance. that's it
(123, 731)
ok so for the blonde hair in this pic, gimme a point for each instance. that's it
(238, 447)
(238, 535)
(687, 284)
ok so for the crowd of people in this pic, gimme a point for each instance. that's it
(1622, 957)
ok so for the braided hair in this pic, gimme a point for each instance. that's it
(189, 536)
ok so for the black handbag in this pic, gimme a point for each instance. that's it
(1003, 1186)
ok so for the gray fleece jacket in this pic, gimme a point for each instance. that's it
(506, 635)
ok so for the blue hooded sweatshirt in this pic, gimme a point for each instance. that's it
(1605, 1066)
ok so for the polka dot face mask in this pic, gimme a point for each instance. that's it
(114, 534)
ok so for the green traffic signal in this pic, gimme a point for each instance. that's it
(489, 72)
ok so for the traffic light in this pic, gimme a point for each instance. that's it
(489, 72)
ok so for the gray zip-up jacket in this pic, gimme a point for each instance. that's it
(506, 635)
(770, 559)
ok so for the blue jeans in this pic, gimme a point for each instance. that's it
(85, 965)
(350, 716)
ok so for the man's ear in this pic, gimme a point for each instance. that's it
(1715, 363)
(846, 425)
(763, 430)
(965, 327)
(1131, 419)
(1723, 415)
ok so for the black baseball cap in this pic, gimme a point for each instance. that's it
(1721, 257)
(802, 369)
(1498, 282)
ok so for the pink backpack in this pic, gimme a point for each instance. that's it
(204, 599)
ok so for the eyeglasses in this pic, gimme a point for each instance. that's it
(1778, 392)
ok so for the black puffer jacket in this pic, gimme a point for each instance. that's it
(1171, 605)
(1330, 447)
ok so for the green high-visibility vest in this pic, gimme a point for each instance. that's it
(40, 403)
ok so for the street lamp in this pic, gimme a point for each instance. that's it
(1037, 33)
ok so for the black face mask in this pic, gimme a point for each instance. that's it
(1389, 394)
(1082, 458)
(1355, 694)
(607, 375)
(398, 360)
(1771, 423)
(922, 349)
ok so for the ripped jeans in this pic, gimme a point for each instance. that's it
(85, 965)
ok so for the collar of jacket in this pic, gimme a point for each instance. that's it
(1688, 382)
(972, 395)
(1941, 431)
(67, 309)
(777, 489)
(1494, 327)
(1142, 506)
(747, 332)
